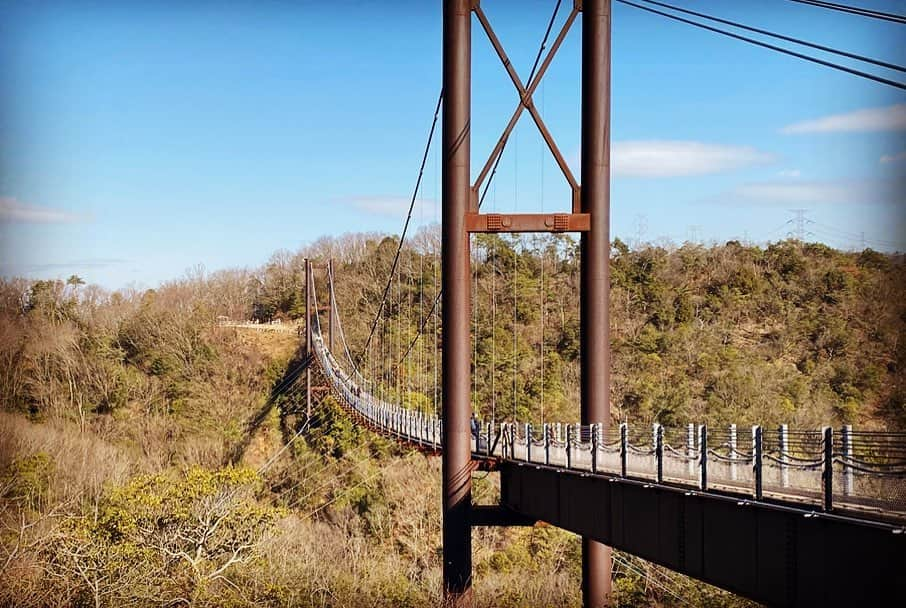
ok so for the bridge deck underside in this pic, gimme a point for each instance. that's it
(773, 554)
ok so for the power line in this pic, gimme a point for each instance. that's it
(800, 221)
(779, 49)
(399, 248)
(855, 10)
(799, 41)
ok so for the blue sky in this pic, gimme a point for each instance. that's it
(140, 139)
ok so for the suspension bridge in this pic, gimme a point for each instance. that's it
(783, 516)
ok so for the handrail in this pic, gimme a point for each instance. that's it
(833, 457)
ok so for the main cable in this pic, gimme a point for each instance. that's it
(779, 49)
(399, 248)
(820, 47)
(855, 10)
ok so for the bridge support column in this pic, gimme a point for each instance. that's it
(595, 261)
(456, 201)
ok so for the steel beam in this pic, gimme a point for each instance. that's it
(496, 515)
(528, 222)
(594, 287)
(456, 406)
(778, 555)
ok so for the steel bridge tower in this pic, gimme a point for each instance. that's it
(590, 215)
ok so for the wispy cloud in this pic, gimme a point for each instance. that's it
(890, 118)
(53, 267)
(816, 192)
(893, 158)
(790, 173)
(392, 206)
(670, 158)
(12, 210)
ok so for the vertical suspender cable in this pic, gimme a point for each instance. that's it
(494, 320)
(421, 299)
(409, 307)
(399, 330)
(515, 302)
(543, 246)
(434, 244)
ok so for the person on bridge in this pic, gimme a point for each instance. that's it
(473, 423)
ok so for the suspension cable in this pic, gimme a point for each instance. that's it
(494, 319)
(475, 301)
(798, 41)
(399, 247)
(855, 10)
(434, 246)
(515, 269)
(543, 245)
(836, 66)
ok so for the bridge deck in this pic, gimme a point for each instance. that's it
(780, 549)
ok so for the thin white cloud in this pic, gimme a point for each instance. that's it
(894, 158)
(816, 192)
(12, 210)
(80, 264)
(790, 173)
(890, 118)
(393, 206)
(671, 158)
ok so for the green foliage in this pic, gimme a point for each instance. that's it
(332, 432)
(28, 479)
(795, 332)
(177, 535)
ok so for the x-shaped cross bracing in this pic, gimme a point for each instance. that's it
(526, 103)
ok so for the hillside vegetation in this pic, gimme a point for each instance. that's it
(151, 457)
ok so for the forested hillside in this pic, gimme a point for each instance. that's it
(796, 333)
(141, 452)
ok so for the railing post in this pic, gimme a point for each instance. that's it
(624, 441)
(569, 442)
(703, 449)
(659, 451)
(690, 449)
(757, 454)
(784, 455)
(528, 442)
(829, 468)
(847, 440)
(547, 443)
(513, 440)
(733, 452)
(594, 448)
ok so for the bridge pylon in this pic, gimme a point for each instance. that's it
(460, 216)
